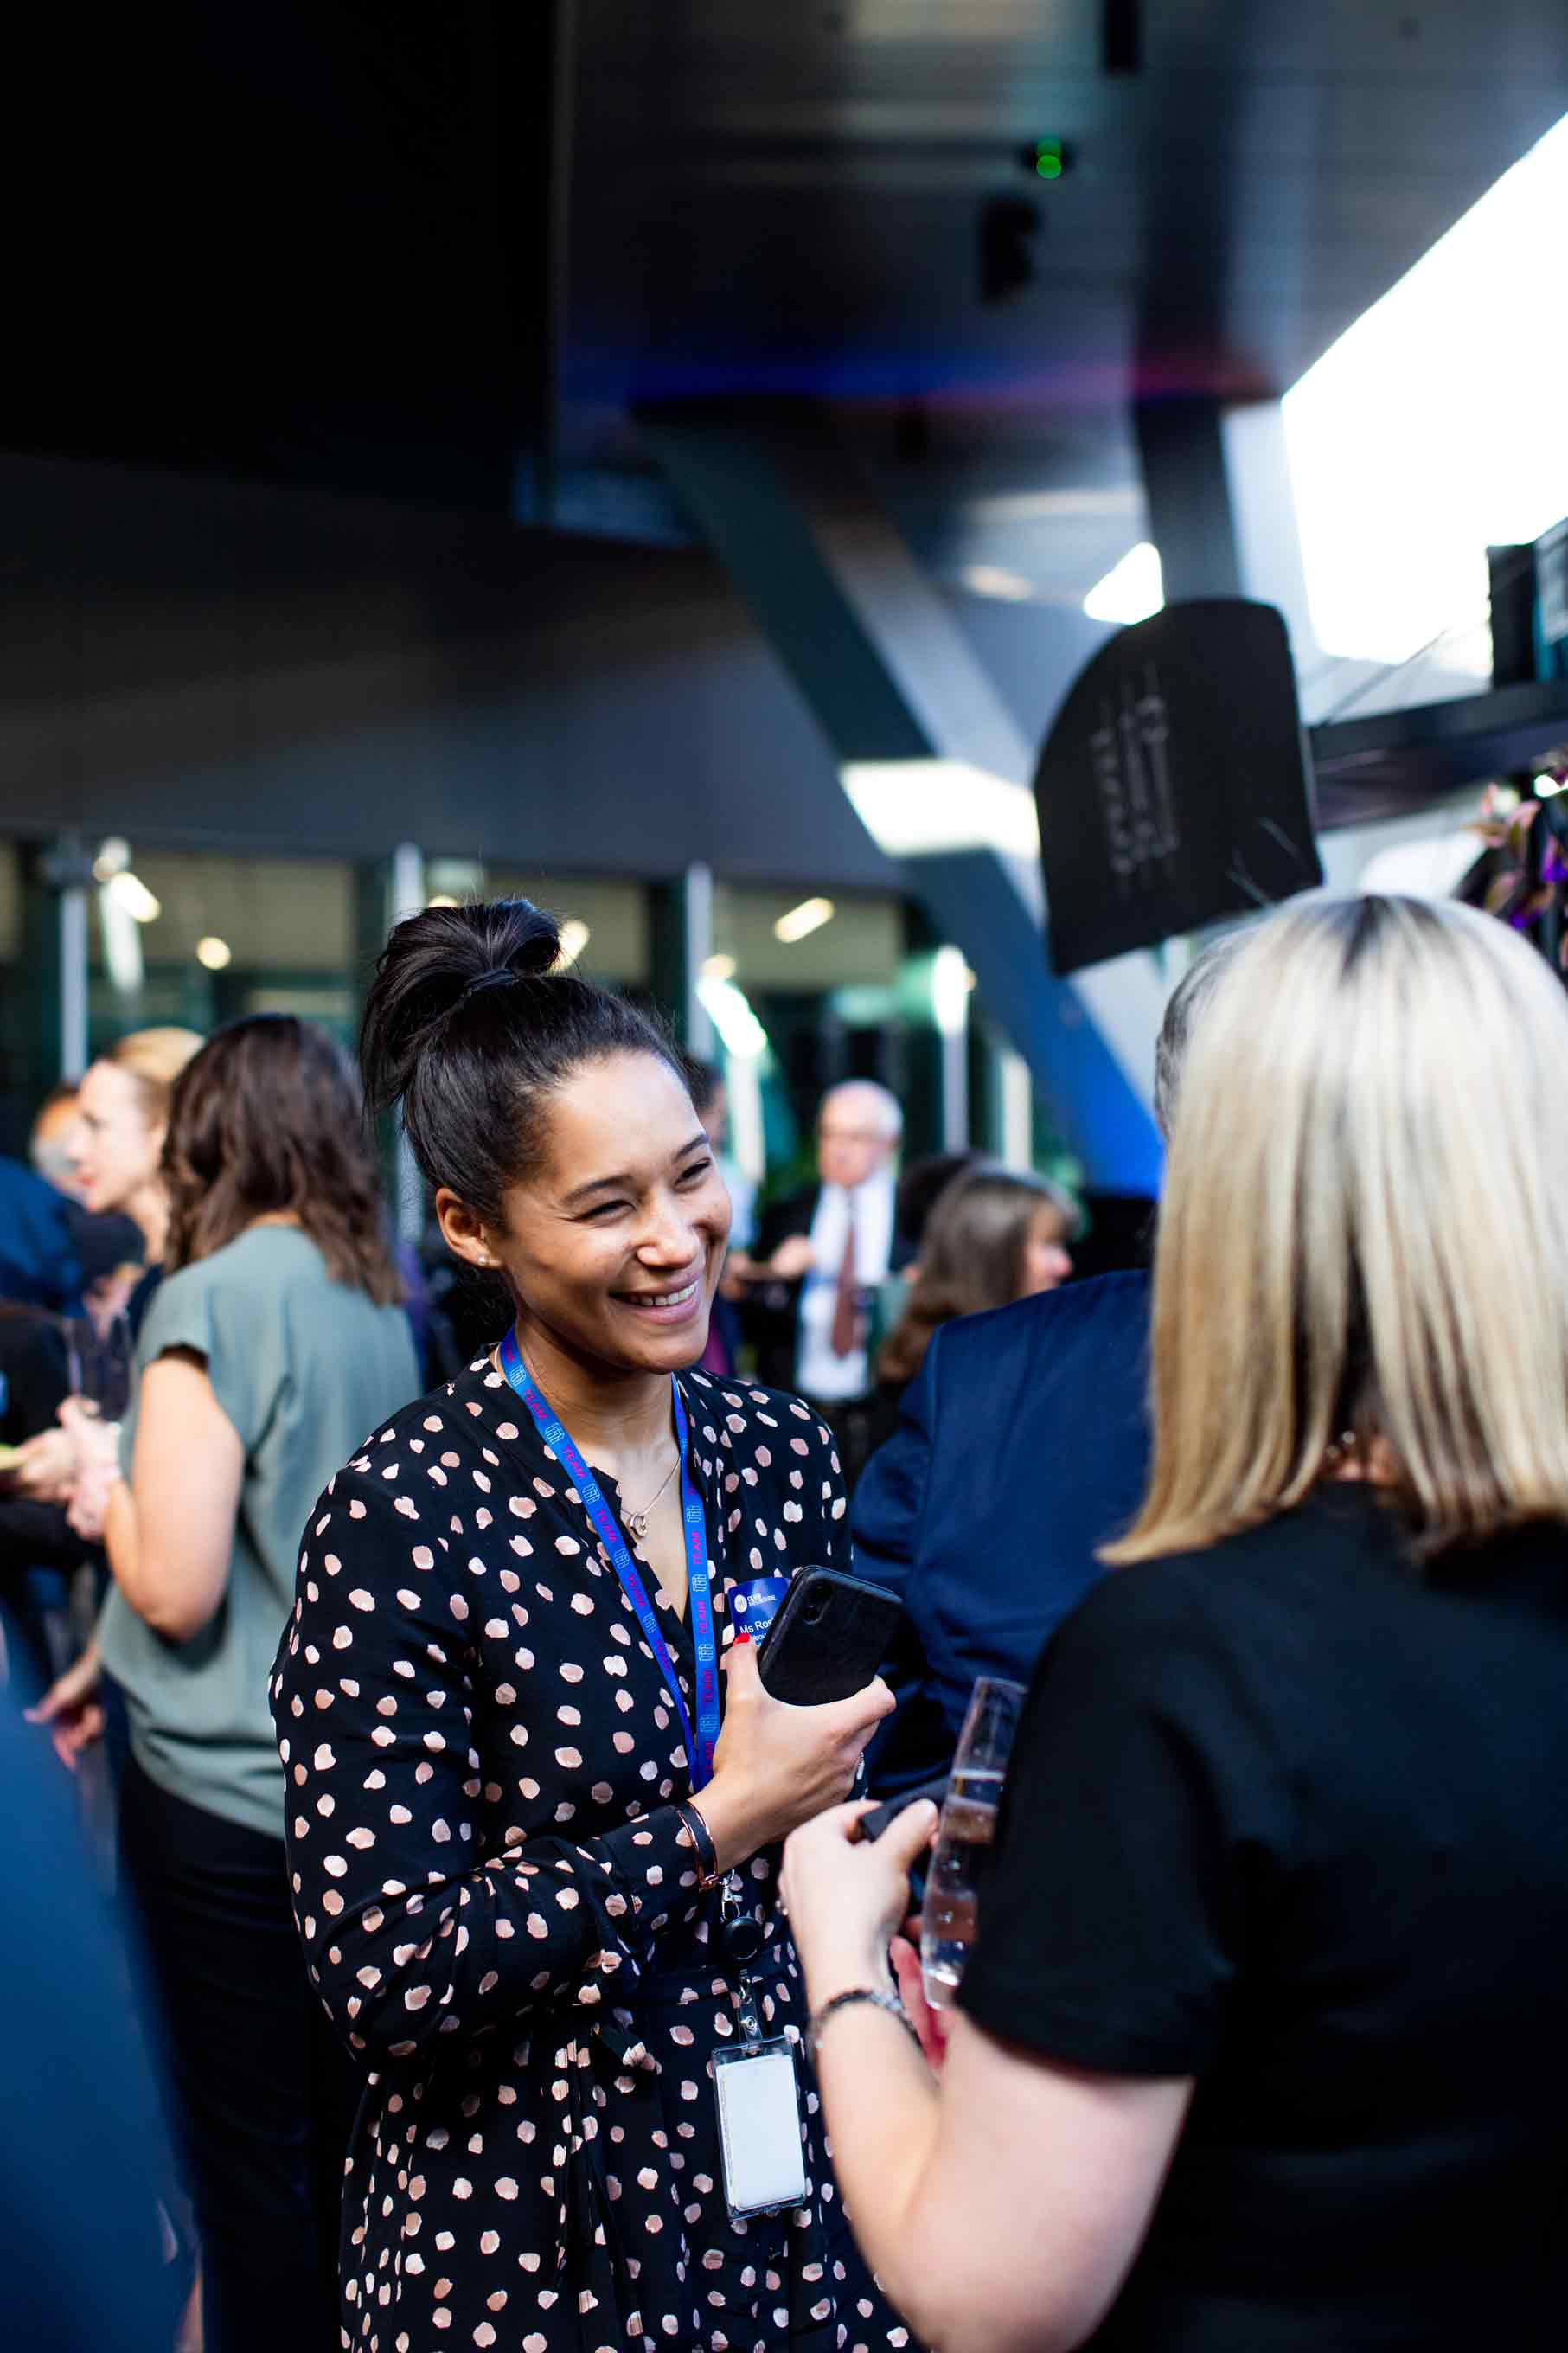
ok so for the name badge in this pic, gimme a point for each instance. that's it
(760, 2142)
(755, 1604)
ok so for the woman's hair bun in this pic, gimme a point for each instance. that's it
(431, 966)
(463, 1029)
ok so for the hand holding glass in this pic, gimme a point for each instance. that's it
(966, 1837)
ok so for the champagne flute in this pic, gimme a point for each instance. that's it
(966, 1836)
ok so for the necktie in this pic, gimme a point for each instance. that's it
(845, 1336)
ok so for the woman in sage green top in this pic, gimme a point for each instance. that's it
(275, 1343)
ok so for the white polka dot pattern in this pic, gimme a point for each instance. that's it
(499, 1902)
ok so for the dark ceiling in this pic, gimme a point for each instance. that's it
(788, 200)
(315, 241)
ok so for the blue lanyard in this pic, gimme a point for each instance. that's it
(700, 1597)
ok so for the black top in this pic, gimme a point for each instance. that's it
(1287, 1818)
(1023, 1446)
(499, 1899)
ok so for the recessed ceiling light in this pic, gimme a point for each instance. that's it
(718, 967)
(128, 890)
(215, 954)
(802, 921)
(992, 580)
(914, 807)
(575, 938)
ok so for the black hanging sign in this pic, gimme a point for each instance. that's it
(1172, 786)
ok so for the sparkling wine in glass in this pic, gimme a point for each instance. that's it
(966, 1837)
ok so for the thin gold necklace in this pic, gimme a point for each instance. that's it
(634, 1523)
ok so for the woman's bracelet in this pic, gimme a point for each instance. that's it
(707, 1871)
(888, 2001)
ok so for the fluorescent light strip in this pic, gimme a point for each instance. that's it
(802, 921)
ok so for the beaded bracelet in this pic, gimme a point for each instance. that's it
(888, 2001)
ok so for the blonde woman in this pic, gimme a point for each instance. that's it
(1264, 2043)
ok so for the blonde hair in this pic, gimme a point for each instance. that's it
(1365, 1226)
(155, 1059)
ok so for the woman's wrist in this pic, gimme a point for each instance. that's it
(731, 1824)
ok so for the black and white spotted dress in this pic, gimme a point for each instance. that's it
(500, 1906)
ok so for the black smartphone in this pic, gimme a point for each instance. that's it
(831, 1634)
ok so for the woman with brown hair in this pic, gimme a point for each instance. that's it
(993, 1236)
(275, 1342)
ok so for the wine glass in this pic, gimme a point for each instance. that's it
(966, 1836)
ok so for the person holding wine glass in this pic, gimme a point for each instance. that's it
(1264, 2041)
(533, 1822)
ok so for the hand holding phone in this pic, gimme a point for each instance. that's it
(778, 1765)
(829, 1636)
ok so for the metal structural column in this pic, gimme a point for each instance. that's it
(682, 944)
(912, 715)
(1181, 445)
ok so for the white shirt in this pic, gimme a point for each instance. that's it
(818, 1372)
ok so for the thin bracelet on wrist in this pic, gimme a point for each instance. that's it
(888, 2001)
(707, 1871)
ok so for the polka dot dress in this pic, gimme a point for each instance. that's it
(500, 1905)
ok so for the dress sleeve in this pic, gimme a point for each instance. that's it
(408, 1935)
(1145, 1820)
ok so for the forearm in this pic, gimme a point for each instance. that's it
(880, 2101)
(547, 1922)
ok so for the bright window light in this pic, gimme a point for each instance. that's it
(1131, 590)
(575, 938)
(912, 809)
(214, 953)
(1435, 428)
(128, 890)
(802, 921)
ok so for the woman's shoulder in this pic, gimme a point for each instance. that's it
(435, 1461)
(740, 1407)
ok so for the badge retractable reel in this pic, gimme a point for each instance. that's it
(755, 2081)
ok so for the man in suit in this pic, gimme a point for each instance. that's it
(1023, 1447)
(821, 1257)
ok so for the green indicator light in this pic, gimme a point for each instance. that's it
(1049, 161)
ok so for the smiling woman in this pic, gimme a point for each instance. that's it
(534, 1830)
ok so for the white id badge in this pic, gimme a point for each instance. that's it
(759, 2127)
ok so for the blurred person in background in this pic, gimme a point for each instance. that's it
(276, 1341)
(822, 1257)
(920, 1186)
(84, 2258)
(48, 1145)
(114, 1151)
(992, 1235)
(1023, 1447)
(1264, 2039)
(710, 1100)
(115, 1147)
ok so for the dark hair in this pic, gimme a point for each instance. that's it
(972, 1258)
(471, 1030)
(921, 1186)
(267, 1117)
(706, 1081)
